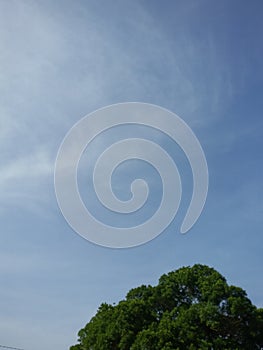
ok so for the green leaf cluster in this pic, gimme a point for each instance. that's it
(190, 308)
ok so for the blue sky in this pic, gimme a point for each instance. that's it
(60, 61)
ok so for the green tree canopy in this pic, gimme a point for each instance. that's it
(190, 308)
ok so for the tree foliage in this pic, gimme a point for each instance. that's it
(190, 308)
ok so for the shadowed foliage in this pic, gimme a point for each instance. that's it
(190, 308)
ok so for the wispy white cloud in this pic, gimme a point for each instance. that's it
(52, 72)
(26, 169)
(23, 181)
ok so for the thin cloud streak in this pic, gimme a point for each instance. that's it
(26, 169)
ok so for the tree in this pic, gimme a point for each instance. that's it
(190, 308)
